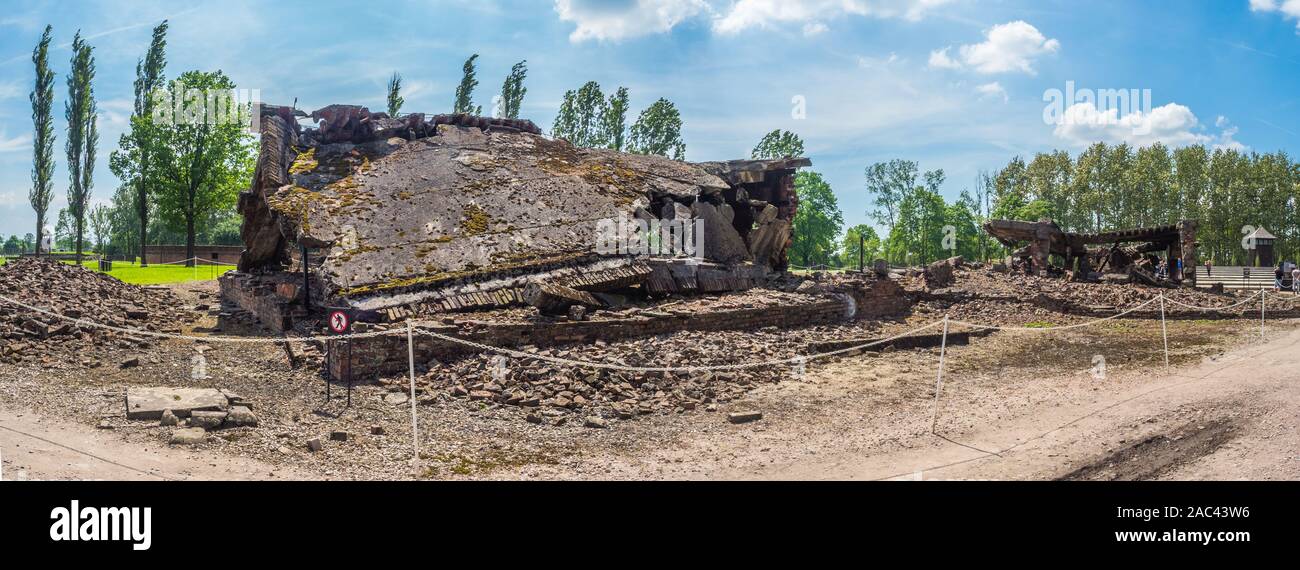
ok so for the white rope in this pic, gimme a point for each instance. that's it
(625, 368)
(232, 339)
(1062, 327)
(1197, 307)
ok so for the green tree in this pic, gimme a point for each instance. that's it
(395, 99)
(124, 221)
(817, 221)
(12, 246)
(513, 90)
(42, 98)
(868, 246)
(659, 131)
(29, 242)
(132, 162)
(579, 119)
(63, 231)
(83, 135)
(205, 163)
(779, 144)
(918, 237)
(465, 91)
(613, 120)
(99, 226)
(889, 183)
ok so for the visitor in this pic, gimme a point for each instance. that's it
(1162, 270)
(1277, 278)
(1295, 279)
(1209, 266)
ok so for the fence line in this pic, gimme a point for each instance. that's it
(410, 331)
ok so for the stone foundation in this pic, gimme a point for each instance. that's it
(384, 355)
(271, 301)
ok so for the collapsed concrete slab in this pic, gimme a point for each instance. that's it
(149, 403)
(403, 216)
(1116, 253)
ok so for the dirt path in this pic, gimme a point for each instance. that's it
(33, 447)
(1233, 415)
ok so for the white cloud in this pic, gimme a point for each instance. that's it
(867, 62)
(16, 144)
(1171, 124)
(10, 90)
(744, 14)
(814, 28)
(1288, 8)
(939, 58)
(613, 21)
(993, 89)
(1010, 47)
(1226, 137)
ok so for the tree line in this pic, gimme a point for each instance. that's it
(1109, 187)
(1105, 187)
(180, 174)
(586, 118)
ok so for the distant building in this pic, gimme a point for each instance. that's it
(1262, 253)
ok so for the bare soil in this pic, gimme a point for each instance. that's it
(1089, 403)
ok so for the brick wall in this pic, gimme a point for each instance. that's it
(388, 354)
(226, 254)
(265, 299)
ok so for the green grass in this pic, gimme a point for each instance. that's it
(160, 274)
(129, 272)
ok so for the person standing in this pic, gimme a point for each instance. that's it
(1277, 278)
(1295, 280)
(1209, 267)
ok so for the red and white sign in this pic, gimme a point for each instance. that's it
(339, 322)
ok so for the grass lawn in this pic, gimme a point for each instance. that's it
(160, 274)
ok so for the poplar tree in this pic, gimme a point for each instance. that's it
(42, 98)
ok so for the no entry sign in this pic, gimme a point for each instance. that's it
(339, 322)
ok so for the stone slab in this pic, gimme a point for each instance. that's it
(148, 403)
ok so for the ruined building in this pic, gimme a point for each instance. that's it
(417, 215)
(1122, 251)
(472, 222)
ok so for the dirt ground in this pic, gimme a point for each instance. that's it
(1089, 403)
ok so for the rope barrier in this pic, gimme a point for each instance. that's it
(555, 360)
(230, 339)
(1060, 327)
(1200, 308)
(626, 368)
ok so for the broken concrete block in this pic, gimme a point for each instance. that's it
(314, 445)
(131, 362)
(595, 422)
(722, 243)
(149, 403)
(552, 299)
(169, 419)
(744, 417)
(207, 420)
(188, 436)
(339, 435)
(241, 416)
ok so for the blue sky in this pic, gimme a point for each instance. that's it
(952, 84)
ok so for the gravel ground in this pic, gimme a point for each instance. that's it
(464, 438)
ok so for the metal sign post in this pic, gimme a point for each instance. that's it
(340, 324)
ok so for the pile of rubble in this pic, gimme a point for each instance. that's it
(992, 294)
(555, 394)
(76, 292)
(192, 411)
